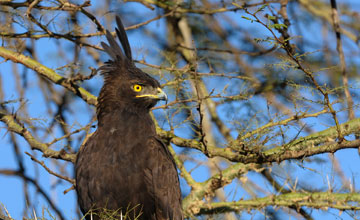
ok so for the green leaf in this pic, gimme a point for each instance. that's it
(261, 8)
(279, 26)
(270, 17)
(247, 18)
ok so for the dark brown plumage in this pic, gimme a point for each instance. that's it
(124, 166)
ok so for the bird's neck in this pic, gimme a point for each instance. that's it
(125, 120)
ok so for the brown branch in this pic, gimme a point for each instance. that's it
(37, 186)
(193, 201)
(63, 7)
(300, 148)
(51, 34)
(232, 51)
(195, 100)
(289, 50)
(70, 133)
(69, 189)
(183, 172)
(93, 19)
(321, 10)
(32, 4)
(318, 200)
(5, 216)
(80, 77)
(14, 126)
(271, 124)
(48, 73)
(149, 21)
(339, 48)
(187, 70)
(198, 9)
(267, 174)
(74, 37)
(72, 181)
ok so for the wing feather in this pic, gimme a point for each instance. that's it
(165, 182)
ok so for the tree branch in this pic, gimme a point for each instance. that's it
(48, 73)
(318, 200)
(301, 147)
(193, 202)
(14, 126)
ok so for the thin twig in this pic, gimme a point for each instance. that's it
(28, 11)
(72, 181)
(308, 73)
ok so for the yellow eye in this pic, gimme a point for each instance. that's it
(137, 88)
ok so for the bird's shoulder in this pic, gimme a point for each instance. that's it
(155, 143)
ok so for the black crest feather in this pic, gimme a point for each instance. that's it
(120, 31)
(113, 49)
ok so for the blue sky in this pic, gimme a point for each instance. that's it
(11, 188)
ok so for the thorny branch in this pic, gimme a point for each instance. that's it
(296, 59)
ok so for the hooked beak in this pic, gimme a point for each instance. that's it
(161, 95)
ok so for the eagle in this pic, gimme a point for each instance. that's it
(124, 169)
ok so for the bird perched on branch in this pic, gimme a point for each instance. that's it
(124, 167)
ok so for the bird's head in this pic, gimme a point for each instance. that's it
(125, 85)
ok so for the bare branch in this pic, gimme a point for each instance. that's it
(72, 181)
(48, 74)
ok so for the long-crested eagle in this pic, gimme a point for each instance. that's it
(124, 167)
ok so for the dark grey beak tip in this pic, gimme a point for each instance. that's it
(161, 95)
